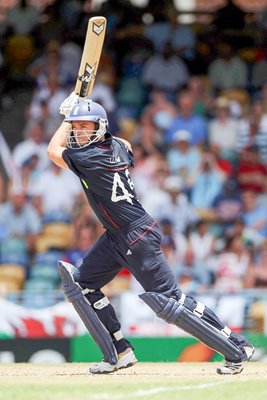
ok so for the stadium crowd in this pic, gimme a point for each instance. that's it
(192, 99)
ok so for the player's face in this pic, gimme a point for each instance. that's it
(83, 130)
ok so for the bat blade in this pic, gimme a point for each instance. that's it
(93, 45)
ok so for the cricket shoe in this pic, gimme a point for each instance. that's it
(125, 360)
(232, 368)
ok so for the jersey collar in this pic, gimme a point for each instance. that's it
(106, 143)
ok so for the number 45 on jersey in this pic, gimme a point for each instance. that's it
(117, 183)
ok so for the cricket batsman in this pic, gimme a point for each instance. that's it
(132, 240)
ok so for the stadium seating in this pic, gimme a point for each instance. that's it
(12, 276)
(14, 251)
(56, 235)
(45, 272)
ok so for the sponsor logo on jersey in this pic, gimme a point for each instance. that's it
(113, 160)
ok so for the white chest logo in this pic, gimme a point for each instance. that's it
(113, 160)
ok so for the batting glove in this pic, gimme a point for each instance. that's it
(69, 103)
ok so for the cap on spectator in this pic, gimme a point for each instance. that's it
(182, 135)
(173, 184)
(165, 221)
(168, 241)
(222, 102)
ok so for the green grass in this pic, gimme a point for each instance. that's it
(157, 381)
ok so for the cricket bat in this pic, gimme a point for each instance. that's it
(91, 56)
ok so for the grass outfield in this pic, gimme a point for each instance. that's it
(144, 381)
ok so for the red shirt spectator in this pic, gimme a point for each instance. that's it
(251, 172)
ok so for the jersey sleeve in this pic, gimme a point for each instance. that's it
(67, 158)
(131, 158)
(127, 151)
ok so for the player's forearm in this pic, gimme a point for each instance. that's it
(59, 139)
(57, 145)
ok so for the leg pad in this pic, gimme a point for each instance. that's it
(175, 313)
(84, 309)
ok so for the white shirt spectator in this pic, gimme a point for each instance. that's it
(170, 203)
(58, 189)
(103, 94)
(33, 145)
(182, 213)
(223, 133)
(53, 95)
(152, 199)
(168, 75)
(228, 74)
(230, 272)
(19, 220)
(23, 19)
(201, 246)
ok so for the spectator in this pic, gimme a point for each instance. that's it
(206, 183)
(190, 275)
(227, 71)
(54, 62)
(179, 241)
(63, 190)
(182, 37)
(30, 174)
(103, 94)
(251, 172)
(146, 165)
(187, 120)
(259, 71)
(148, 135)
(33, 145)
(254, 216)
(23, 18)
(199, 65)
(223, 129)
(227, 205)
(155, 195)
(83, 240)
(19, 219)
(159, 110)
(231, 266)
(169, 250)
(17, 62)
(202, 242)
(188, 279)
(256, 276)
(198, 89)
(51, 95)
(51, 26)
(175, 205)
(252, 131)
(130, 93)
(182, 158)
(162, 65)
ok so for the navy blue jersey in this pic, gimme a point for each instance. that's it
(103, 168)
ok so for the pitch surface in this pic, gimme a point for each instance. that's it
(168, 381)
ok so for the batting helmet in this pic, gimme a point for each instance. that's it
(87, 111)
